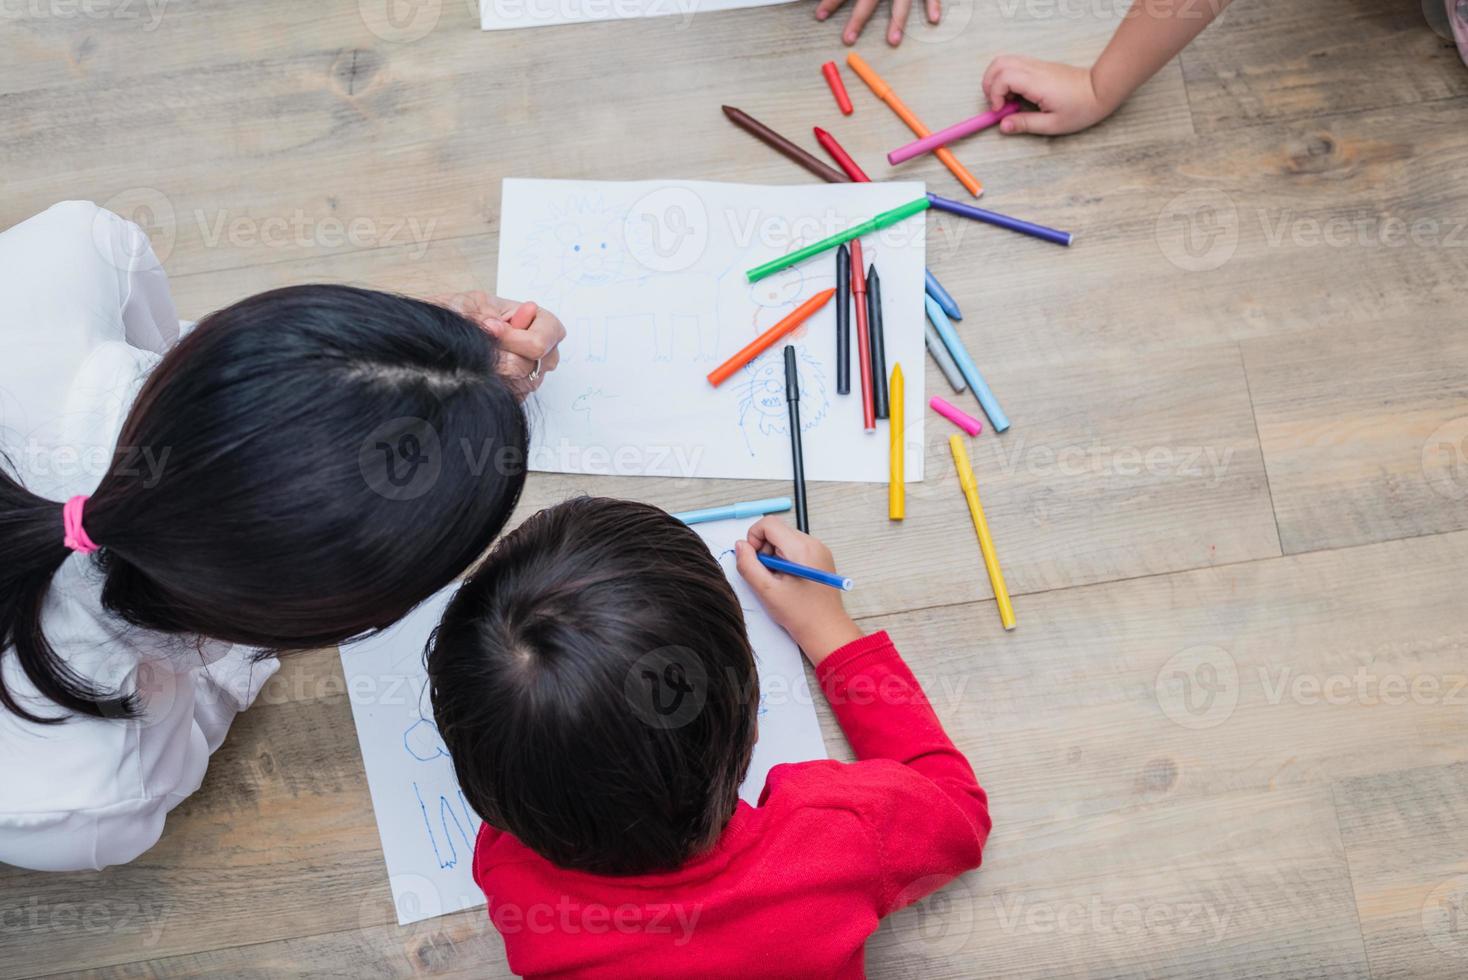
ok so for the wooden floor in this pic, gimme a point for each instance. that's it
(1230, 736)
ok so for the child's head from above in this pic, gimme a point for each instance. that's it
(305, 466)
(596, 689)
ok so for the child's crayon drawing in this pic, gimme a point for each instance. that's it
(440, 837)
(763, 411)
(586, 403)
(650, 279)
(583, 254)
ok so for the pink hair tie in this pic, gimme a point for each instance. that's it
(71, 523)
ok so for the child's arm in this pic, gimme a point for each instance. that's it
(1072, 98)
(932, 828)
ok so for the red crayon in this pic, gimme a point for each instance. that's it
(863, 340)
(842, 158)
(838, 88)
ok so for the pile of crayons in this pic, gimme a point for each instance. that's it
(859, 286)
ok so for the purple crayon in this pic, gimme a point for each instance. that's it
(1002, 220)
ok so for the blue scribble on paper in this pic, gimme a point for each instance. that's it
(762, 408)
(586, 403)
(422, 741)
(581, 257)
(447, 816)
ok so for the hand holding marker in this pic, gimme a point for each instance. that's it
(757, 508)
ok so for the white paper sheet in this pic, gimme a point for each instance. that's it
(649, 278)
(427, 827)
(789, 730)
(503, 15)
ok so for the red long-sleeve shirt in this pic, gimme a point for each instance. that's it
(794, 886)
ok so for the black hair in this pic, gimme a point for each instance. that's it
(325, 458)
(596, 690)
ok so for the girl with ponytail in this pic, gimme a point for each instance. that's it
(301, 468)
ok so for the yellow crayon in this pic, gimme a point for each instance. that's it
(981, 527)
(897, 451)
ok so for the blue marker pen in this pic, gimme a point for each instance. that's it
(935, 289)
(805, 571)
(951, 340)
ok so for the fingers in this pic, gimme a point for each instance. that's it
(994, 68)
(515, 367)
(1039, 123)
(935, 11)
(529, 344)
(859, 17)
(770, 533)
(826, 8)
(1006, 76)
(898, 23)
(523, 316)
(747, 561)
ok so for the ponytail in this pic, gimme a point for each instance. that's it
(327, 458)
(32, 537)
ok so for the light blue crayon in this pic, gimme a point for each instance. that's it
(805, 571)
(935, 289)
(751, 508)
(986, 398)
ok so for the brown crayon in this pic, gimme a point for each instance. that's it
(784, 147)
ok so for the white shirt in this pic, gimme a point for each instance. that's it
(86, 314)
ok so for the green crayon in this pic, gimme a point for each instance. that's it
(840, 238)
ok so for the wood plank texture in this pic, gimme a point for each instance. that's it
(1227, 738)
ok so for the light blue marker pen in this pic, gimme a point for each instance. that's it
(732, 512)
(788, 567)
(945, 299)
(951, 340)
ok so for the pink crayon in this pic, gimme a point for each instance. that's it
(957, 131)
(957, 416)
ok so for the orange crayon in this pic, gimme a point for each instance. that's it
(760, 344)
(884, 92)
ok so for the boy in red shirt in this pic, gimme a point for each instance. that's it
(597, 692)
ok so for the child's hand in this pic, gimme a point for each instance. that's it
(1065, 94)
(528, 335)
(863, 11)
(811, 613)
